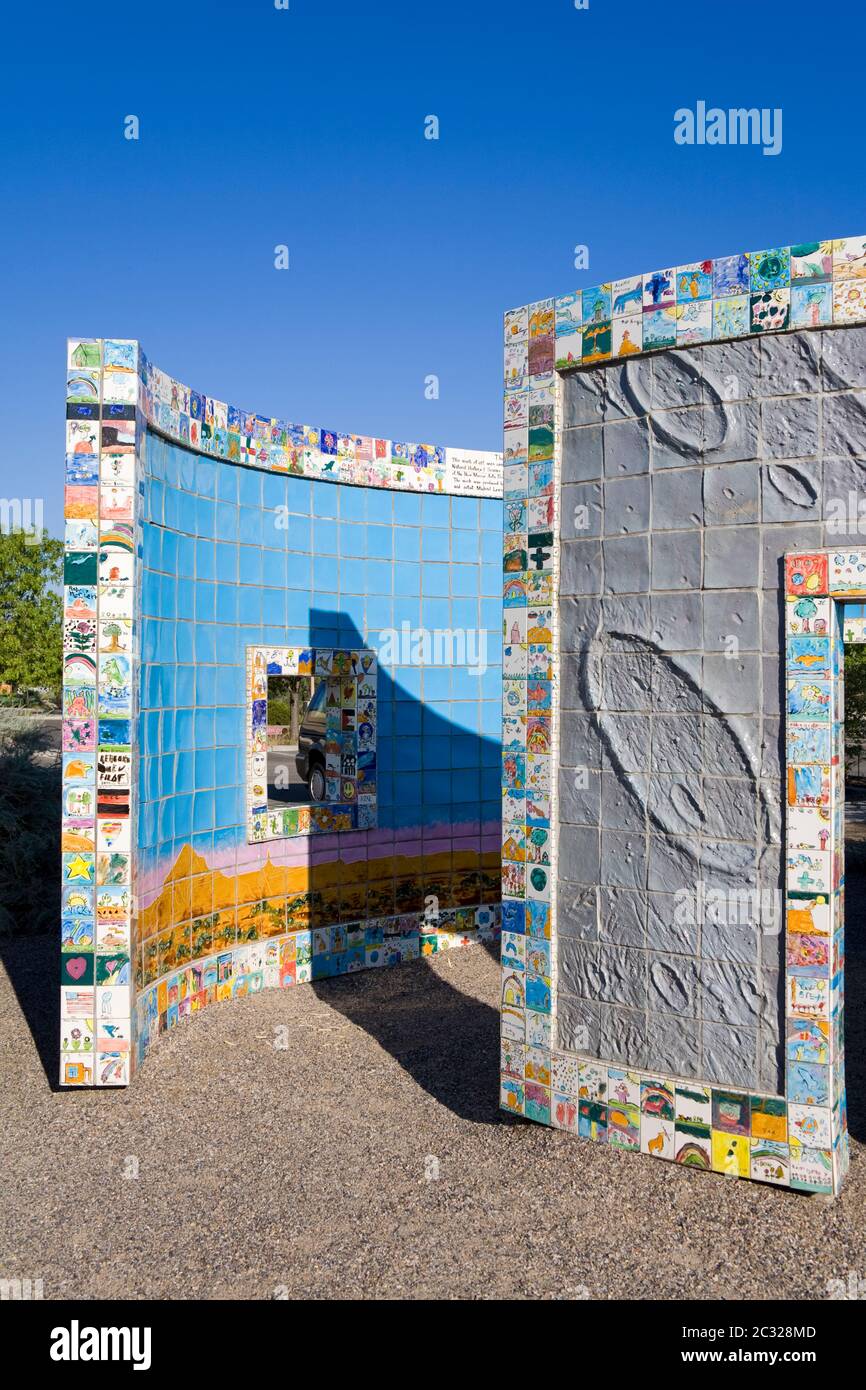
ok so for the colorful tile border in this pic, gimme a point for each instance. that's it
(530, 566)
(351, 713)
(812, 285)
(298, 957)
(103, 438)
(258, 441)
(816, 587)
(798, 1140)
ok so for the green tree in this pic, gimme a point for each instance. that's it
(288, 697)
(280, 712)
(30, 803)
(855, 702)
(31, 611)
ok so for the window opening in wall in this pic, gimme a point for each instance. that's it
(297, 741)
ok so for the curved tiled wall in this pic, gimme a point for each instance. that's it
(197, 536)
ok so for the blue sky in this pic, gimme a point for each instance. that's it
(305, 127)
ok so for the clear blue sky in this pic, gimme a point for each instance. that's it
(305, 127)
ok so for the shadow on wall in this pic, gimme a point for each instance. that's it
(438, 789)
(438, 784)
(449, 1043)
(431, 770)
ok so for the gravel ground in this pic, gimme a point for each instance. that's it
(303, 1169)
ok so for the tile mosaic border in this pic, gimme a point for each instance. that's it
(300, 956)
(240, 436)
(817, 583)
(798, 1140)
(224, 431)
(351, 777)
(530, 563)
(103, 441)
(810, 285)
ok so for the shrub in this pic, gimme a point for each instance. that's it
(30, 800)
(279, 712)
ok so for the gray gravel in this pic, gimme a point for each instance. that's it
(303, 1170)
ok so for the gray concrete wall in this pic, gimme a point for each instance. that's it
(685, 477)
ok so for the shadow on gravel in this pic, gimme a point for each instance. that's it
(855, 987)
(31, 964)
(30, 872)
(447, 1041)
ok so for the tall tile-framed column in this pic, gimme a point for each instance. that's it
(815, 858)
(104, 433)
(529, 564)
